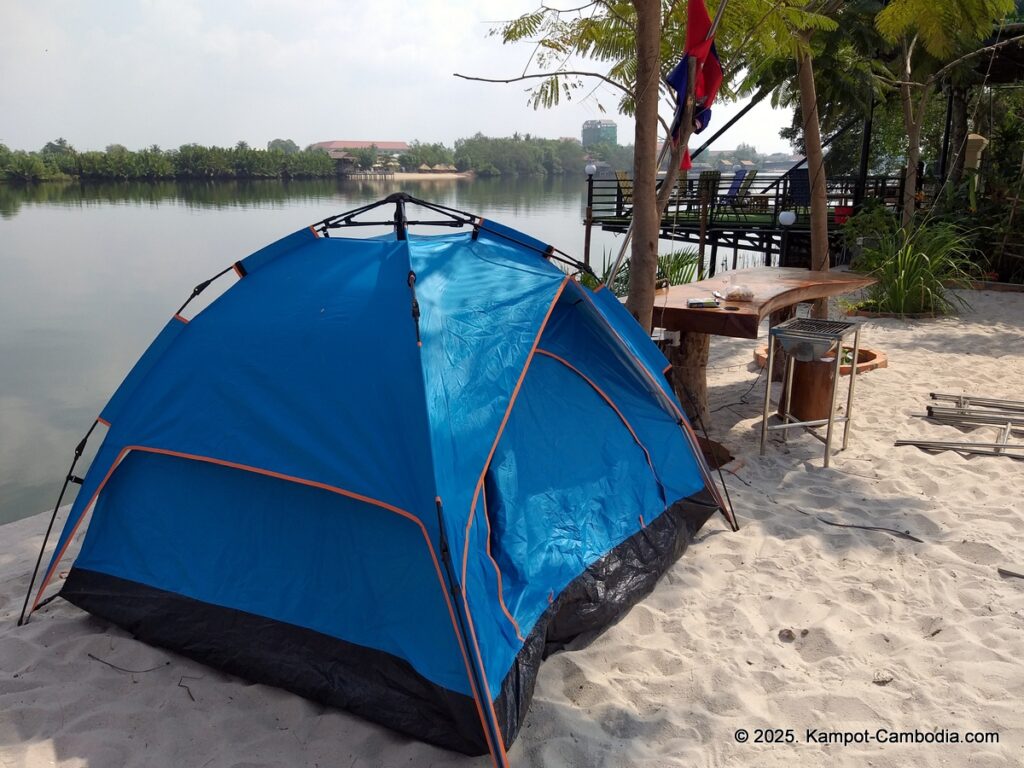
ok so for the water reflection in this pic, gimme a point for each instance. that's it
(89, 273)
(525, 194)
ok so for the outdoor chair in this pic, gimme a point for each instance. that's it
(740, 201)
(729, 198)
(706, 192)
(798, 190)
(623, 194)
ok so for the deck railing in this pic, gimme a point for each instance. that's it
(726, 201)
(740, 224)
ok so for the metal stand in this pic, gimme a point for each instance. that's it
(807, 340)
(969, 411)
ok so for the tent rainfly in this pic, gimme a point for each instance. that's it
(389, 474)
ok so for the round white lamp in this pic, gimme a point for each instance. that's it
(591, 169)
(787, 218)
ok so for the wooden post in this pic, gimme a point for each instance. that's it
(702, 236)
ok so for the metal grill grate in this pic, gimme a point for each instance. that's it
(806, 339)
(836, 329)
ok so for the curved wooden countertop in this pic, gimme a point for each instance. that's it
(774, 288)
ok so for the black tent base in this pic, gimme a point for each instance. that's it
(379, 686)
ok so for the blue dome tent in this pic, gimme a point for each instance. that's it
(390, 474)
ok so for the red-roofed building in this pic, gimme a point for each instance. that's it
(337, 149)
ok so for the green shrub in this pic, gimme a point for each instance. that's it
(873, 222)
(916, 269)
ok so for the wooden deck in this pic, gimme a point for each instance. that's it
(723, 216)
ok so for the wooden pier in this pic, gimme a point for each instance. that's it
(381, 175)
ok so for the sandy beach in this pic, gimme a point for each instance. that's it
(791, 623)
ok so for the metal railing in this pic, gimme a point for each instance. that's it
(741, 224)
(724, 200)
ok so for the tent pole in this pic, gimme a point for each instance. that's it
(70, 478)
(498, 745)
(400, 220)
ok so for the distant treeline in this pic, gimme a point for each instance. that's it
(58, 159)
(283, 159)
(526, 155)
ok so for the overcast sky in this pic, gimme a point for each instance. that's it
(170, 72)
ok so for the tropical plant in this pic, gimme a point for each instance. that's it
(675, 268)
(869, 225)
(917, 269)
(930, 38)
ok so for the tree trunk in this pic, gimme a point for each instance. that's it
(913, 119)
(815, 167)
(958, 135)
(643, 267)
(689, 375)
(913, 129)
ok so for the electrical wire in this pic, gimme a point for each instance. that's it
(743, 397)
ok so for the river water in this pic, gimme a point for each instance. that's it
(90, 273)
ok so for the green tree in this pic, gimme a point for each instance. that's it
(518, 155)
(60, 155)
(929, 37)
(430, 154)
(619, 157)
(788, 32)
(119, 163)
(154, 163)
(633, 45)
(366, 157)
(27, 167)
(308, 163)
(287, 146)
(746, 152)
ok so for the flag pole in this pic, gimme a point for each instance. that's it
(690, 86)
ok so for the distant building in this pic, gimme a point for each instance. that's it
(600, 132)
(781, 165)
(337, 149)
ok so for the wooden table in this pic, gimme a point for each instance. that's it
(776, 289)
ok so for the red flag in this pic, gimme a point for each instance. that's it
(701, 46)
(709, 70)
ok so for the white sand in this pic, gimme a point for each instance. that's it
(701, 657)
(418, 176)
